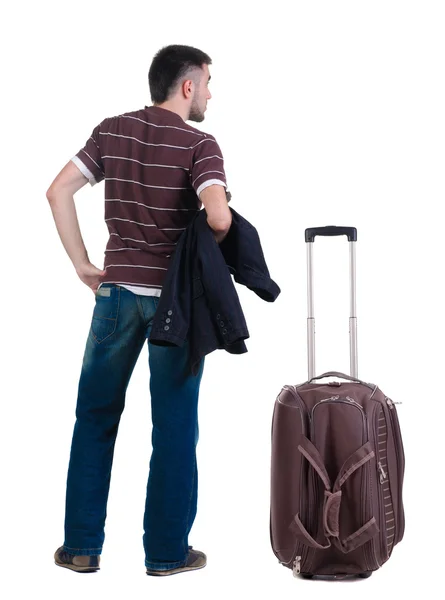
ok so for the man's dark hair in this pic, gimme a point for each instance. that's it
(169, 66)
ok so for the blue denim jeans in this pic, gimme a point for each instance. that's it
(120, 324)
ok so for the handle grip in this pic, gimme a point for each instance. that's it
(330, 230)
(341, 376)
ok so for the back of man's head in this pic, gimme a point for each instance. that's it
(170, 66)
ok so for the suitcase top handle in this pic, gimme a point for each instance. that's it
(330, 230)
(341, 376)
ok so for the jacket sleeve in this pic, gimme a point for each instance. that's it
(171, 322)
(222, 297)
(244, 257)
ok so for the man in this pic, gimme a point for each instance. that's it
(158, 172)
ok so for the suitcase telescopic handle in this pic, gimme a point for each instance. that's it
(330, 230)
(310, 234)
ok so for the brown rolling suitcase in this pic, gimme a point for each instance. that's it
(337, 463)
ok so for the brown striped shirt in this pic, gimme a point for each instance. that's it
(155, 166)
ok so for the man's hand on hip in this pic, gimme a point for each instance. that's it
(90, 275)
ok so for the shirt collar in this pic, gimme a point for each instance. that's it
(164, 112)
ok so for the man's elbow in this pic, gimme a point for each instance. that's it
(50, 194)
(221, 225)
(54, 190)
(223, 221)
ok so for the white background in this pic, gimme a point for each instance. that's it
(326, 113)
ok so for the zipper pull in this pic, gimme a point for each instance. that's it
(352, 401)
(330, 398)
(391, 403)
(383, 475)
(297, 566)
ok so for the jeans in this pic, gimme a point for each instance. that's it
(120, 324)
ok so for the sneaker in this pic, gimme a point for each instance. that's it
(81, 564)
(195, 560)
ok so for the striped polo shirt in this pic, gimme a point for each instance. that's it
(155, 166)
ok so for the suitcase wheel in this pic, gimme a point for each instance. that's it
(307, 575)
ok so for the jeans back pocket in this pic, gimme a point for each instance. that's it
(106, 311)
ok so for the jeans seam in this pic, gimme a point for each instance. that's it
(190, 499)
(164, 566)
(140, 308)
(82, 549)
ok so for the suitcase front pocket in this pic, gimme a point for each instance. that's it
(333, 530)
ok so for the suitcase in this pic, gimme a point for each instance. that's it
(337, 462)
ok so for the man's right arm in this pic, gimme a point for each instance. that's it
(218, 212)
(208, 179)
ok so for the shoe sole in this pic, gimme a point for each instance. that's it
(173, 571)
(78, 569)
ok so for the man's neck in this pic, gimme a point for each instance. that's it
(182, 112)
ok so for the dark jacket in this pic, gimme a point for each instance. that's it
(199, 302)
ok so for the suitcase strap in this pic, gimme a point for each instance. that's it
(332, 500)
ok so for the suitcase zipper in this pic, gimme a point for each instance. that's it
(382, 472)
(382, 475)
(346, 400)
(328, 399)
(354, 402)
(391, 403)
(299, 559)
(400, 465)
(296, 569)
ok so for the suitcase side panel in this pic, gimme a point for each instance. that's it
(288, 474)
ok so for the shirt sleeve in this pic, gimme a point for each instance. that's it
(208, 166)
(89, 159)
